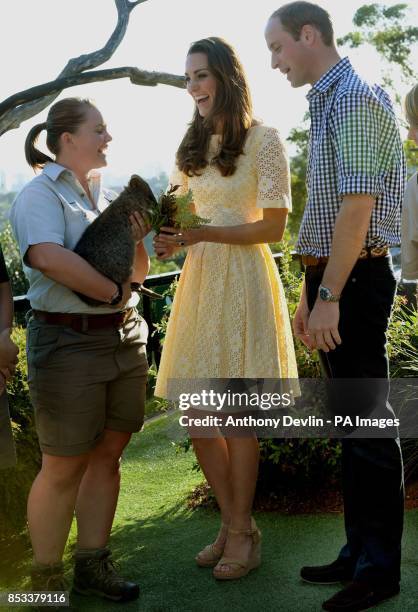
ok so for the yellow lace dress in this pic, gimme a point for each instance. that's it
(229, 316)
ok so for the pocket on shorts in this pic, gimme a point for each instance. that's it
(136, 329)
(41, 343)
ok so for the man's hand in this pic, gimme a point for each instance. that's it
(300, 322)
(8, 354)
(323, 325)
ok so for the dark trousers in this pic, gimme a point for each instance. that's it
(371, 467)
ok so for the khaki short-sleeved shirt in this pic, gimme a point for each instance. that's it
(53, 207)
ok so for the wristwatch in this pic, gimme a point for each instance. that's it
(116, 298)
(326, 295)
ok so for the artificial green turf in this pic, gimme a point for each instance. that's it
(155, 538)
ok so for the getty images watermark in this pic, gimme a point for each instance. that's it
(297, 408)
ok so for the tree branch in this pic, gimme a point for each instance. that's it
(134, 4)
(13, 118)
(136, 76)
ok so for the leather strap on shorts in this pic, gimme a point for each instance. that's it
(83, 322)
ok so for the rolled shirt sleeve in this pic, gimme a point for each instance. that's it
(273, 174)
(37, 217)
(366, 143)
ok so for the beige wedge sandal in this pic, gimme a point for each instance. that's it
(241, 567)
(211, 554)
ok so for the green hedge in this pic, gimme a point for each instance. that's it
(285, 463)
(15, 482)
(309, 464)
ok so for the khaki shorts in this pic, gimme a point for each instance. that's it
(82, 383)
(7, 447)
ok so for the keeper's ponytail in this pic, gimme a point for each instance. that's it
(64, 116)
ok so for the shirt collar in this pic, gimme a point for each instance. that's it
(330, 77)
(54, 171)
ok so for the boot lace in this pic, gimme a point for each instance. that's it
(107, 571)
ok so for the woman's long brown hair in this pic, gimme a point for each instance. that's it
(232, 109)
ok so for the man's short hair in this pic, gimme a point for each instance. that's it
(295, 15)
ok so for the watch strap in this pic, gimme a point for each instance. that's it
(117, 296)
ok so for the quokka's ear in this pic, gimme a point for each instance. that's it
(138, 184)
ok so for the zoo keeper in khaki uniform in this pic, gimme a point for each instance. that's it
(87, 366)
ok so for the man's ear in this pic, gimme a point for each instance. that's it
(309, 34)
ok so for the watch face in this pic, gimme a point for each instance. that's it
(324, 294)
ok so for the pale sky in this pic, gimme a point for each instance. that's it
(147, 124)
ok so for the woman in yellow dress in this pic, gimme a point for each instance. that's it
(229, 317)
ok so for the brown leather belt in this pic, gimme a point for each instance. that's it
(82, 322)
(310, 260)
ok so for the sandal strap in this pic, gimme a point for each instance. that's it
(249, 532)
(233, 561)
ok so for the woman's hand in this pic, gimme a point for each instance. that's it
(8, 354)
(140, 227)
(300, 320)
(162, 250)
(166, 244)
(181, 238)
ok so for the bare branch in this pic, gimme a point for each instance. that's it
(13, 118)
(134, 4)
(136, 76)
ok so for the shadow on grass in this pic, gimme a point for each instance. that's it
(158, 553)
(156, 537)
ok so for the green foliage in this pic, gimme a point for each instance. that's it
(354, 39)
(11, 254)
(161, 327)
(411, 154)
(394, 44)
(6, 200)
(299, 137)
(298, 463)
(367, 15)
(395, 12)
(15, 482)
(384, 29)
(308, 362)
(314, 463)
(185, 218)
(403, 341)
(175, 211)
(158, 266)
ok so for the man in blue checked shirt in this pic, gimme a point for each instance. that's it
(356, 180)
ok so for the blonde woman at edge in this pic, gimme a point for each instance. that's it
(229, 317)
(409, 246)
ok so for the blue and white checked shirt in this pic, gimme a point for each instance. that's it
(354, 148)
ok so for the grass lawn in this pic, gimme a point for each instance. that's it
(155, 538)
